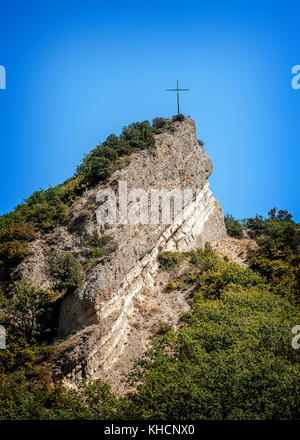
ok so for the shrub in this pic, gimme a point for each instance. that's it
(71, 189)
(96, 252)
(95, 168)
(213, 282)
(233, 227)
(100, 245)
(278, 232)
(96, 240)
(281, 215)
(138, 135)
(121, 148)
(243, 276)
(28, 396)
(172, 285)
(14, 240)
(277, 255)
(66, 270)
(164, 327)
(102, 161)
(27, 311)
(12, 252)
(160, 125)
(215, 275)
(233, 361)
(179, 117)
(45, 209)
(204, 259)
(19, 232)
(255, 225)
(168, 260)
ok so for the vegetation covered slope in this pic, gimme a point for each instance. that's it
(47, 209)
(231, 358)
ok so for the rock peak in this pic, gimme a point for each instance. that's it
(99, 319)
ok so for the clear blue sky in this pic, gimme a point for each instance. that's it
(80, 70)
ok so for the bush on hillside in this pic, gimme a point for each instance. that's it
(94, 167)
(66, 270)
(45, 209)
(99, 246)
(139, 136)
(225, 365)
(179, 117)
(14, 240)
(121, 148)
(96, 239)
(216, 275)
(233, 227)
(168, 260)
(48, 209)
(102, 161)
(26, 311)
(160, 125)
(277, 256)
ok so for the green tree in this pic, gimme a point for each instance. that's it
(233, 361)
(14, 240)
(67, 271)
(25, 312)
(233, 227)
(168, 260)
(138, 135)
(179, 117)
(160, 125)
(45, 209)
(277, 256)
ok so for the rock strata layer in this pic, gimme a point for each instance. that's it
(96, 320)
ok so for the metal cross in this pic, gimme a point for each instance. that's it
(177, 90)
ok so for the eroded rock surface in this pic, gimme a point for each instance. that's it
(98, 321)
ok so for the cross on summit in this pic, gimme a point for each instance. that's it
(177, 90)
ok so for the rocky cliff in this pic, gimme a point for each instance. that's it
(109, 320)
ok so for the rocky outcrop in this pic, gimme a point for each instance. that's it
(96, 319)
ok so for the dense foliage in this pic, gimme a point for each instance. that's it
(160, 125)
(66, 270)
(233, 227)
(233, 361)
(14, 239)
(179, 117)
(277, 257)
(168, 260)
(230, 359)
(26, 312)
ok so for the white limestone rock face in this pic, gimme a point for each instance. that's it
(96, 320)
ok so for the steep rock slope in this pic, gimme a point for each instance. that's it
(96, 320)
